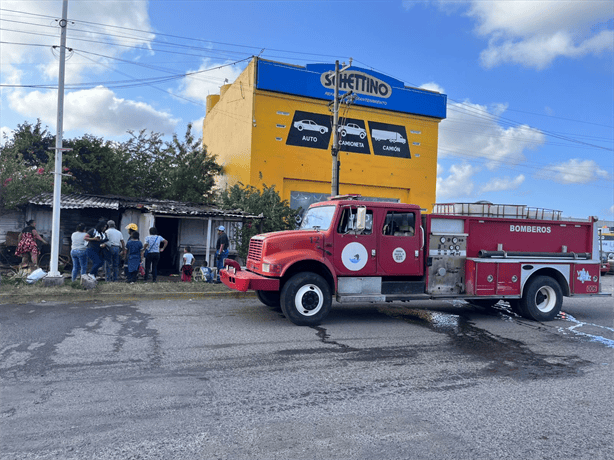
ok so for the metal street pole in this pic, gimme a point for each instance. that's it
(57, 175)
(335, 150)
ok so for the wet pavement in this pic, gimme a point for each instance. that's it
(232, 379)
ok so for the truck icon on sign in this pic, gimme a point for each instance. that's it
(310, 125)
(390, 136)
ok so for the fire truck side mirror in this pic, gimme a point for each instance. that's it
(361, 218)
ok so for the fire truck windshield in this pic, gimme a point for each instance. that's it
(318, 218)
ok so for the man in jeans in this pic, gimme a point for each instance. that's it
(221, 249)
(115, 245)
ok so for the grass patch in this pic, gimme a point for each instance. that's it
(16, 286)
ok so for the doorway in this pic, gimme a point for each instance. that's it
(168, 228)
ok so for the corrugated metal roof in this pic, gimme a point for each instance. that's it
(167, 207)
(77, 201)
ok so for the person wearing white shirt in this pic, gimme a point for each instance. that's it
(186, 269)
(78, 253)
(115, 245)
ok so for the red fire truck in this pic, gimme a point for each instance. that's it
(365, 251)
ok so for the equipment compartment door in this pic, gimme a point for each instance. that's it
(400, 244)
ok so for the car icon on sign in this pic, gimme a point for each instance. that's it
(352, 129)
(310, 125)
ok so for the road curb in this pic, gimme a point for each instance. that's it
(86, 296)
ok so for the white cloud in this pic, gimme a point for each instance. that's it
(33, 26)
(498, 184)
(197, 127)
(200, 86)
(574, 171)
(5, 131)
(533, 33)
(458, 183)
(472, 131)
(539, 51)
(97, 111)
(432, 86)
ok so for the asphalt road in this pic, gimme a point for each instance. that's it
(232, 379)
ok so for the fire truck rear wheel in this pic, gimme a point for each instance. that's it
(306, 299)
(542, 299)
(269, 298)
(515, 306)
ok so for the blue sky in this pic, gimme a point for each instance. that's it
(530, 84)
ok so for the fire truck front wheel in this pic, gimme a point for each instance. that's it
(306, 299)
(542, 299)
(269, 298)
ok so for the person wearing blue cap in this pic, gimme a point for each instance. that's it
(221, 250)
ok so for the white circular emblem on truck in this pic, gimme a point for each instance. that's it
(354, 257)
(399, 255)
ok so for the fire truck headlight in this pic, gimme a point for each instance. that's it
(271, 268)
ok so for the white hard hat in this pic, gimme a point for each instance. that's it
(221, 228)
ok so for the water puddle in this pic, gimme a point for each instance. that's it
(577, 325)
(502, 356)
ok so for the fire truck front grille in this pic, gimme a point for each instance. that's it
(255, 249)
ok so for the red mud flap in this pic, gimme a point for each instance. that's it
(241, 280)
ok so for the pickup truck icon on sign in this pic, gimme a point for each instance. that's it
(353, 130)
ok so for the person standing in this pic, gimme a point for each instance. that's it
(221, 249)
(94, 238)
(154, 245)
(115, 245)
(78, 251)
(27, 246)
(134, 252)
(187, 269)
(131, 228)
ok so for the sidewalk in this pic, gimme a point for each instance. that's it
(166, 288)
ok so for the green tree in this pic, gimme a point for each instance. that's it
(97, 167)
(191, 170)
(146, 166)
(19, 182)
(33, 142)
(26, 165)
(279, 215)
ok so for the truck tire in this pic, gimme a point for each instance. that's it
(269, 298)
(542, 299)
(306, 299)
(515, 306)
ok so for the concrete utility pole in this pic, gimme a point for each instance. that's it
(335, 148)
(57, 175)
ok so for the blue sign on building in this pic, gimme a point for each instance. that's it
(372, 89)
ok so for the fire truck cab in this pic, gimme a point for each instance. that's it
(364, 251)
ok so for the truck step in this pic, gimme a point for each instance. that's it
(353, 298)
(403, 287)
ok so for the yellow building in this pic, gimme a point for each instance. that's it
(273, 126)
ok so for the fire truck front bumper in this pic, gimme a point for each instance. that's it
(241, 280)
